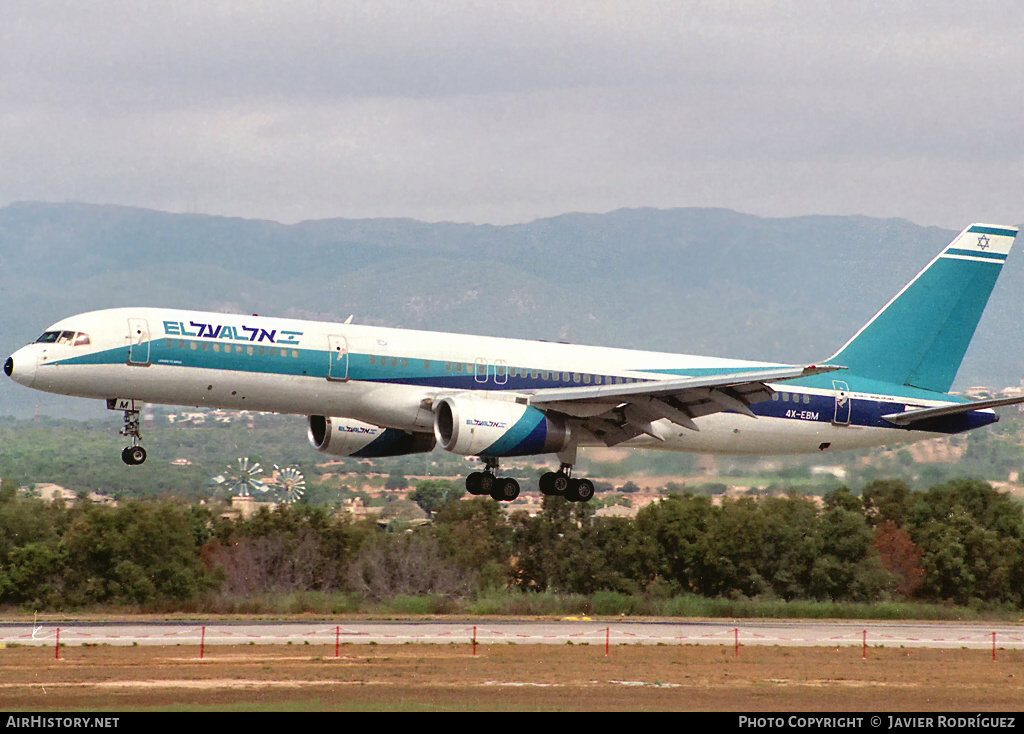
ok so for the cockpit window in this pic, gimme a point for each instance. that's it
(75, 338)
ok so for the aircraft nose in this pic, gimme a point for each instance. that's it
(21, 366)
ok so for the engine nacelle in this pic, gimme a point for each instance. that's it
(347, 437)
(474, 426)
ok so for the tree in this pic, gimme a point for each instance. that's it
(409, 563)
(972, 538)
(432, 494)
(138, 552)
(899, 555)
(396, 480)
(679, 527)
(476, 535)
(887, 500)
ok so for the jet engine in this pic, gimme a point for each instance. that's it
(474, 426)
(347, 437)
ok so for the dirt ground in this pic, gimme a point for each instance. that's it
(509, 678)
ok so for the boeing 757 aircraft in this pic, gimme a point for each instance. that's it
(374, 392)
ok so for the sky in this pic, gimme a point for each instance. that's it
(506, 111)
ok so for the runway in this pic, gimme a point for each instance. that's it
(745, 632)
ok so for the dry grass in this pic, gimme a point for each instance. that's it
(509, 677)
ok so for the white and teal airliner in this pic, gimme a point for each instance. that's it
(373, 392)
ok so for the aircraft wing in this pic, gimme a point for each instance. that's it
(616, 413)
(916, 415)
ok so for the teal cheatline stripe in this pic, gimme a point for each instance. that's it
(993, 256)
(993, 231)
(118, 355)
(524, 438)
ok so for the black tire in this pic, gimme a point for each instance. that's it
(487, 482)
(505, 490)
(584, 490)
(561, 483)
(473, 483)
(133, 455)
(572, 489)
(547, 483)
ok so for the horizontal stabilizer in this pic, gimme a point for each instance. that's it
(910, 417)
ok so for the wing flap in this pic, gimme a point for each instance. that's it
(623, 411)
(673, 386)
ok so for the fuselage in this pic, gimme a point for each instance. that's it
(391, 378)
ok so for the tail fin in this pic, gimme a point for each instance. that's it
(920, 337)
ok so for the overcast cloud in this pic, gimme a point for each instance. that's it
(508, 111)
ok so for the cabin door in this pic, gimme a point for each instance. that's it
(338, 368)
(843, 403)
(138, 342)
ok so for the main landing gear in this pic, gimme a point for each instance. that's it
(132, 455)
(506, 489)
(563, 483)
(502, 489)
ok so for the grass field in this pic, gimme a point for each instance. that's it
(508, 678)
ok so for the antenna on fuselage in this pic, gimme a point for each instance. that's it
(349, 319)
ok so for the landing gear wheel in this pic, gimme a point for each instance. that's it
(547, 484)
(487, 482)
(584, 490)
(580, 490)
(473, 483)
(505, 490)
(133, 455)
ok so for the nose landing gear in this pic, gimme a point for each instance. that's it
(132, 455)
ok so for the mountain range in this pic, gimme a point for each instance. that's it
(702, 281)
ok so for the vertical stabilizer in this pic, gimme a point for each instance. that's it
(920, 337)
